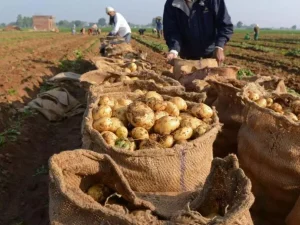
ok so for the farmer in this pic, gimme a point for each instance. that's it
(256, 32)
(247, 37)
(197, 29)
(74, 29)
(142, 31)
(121, 26)
(159, 26)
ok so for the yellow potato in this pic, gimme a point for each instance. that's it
(140, 115)
(166, 125)
(109, 137)
(253, 96)
(132, 67)
(180, 103)
(139, 133)
(105, 100)
(192, 122)
(116, 124)
(124, 102)
(124, 144)
(120, 113)
(296, 106)
(202, 111)
(160, 114)
(99, 192)
(202, 129)
(139, 92)
(102, 111)
(156, 105)
(276, 107)
(166, 141)
(154, 94)
(269, 102)
(262, 103)
(122, 132)
(103, 124)
(172, 109)
(183, 133)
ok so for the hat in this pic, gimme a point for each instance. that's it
(109, 9)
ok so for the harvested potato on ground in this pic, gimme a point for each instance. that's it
(202, 129)
(291, 116)
(134, 78)
(296, 106)
(166, 141)
(172, 109)
(122, 132)
(123, 78)
(156, 105)
(202, 111)
(166, 125)
(262, 103)
(102, 111)
(99, 192)
(132, 66)
(123, 143)
(103, 124)
(117, 123)
(160, 114)
(127, 70)
(105, 100)
(180, 103)
(149, 144)
(253, 96)
(183, 133)
(139, 92)
(192, 122)
(120, 113)
(151, 80)
(140, 115)
(276, 107)
(269, 102)
(154, 94)
(109, 137)
(139, 133)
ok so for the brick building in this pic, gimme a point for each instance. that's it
(45, 23)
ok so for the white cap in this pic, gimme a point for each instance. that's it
(109, 9)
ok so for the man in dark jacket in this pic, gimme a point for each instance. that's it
(197, 29)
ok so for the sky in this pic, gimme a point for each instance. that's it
(266, 13)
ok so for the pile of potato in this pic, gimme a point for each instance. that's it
(290, 109)
(150, 121)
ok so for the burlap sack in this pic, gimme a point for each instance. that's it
(230, 108)
(178, 169)
(183, 67)
(115, 48)
(225, 199)
(269, 152)
(294, 216)
(72, 173)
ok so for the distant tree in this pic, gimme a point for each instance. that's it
(64, 23)
(2, 25)
(239, 24)
(102, 22)
(19, 21)
(78, 23)
(294, 27)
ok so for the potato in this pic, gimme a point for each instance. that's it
(124, 102)
(139, 133)
(103, 124)
(160, 114)
(166, 125)
(102, 111)
(269, 102)
(156, 105)
(105, 100)
(154, 94)
(140, 115)
(172, 109)
(120, 113)
(151, 80)
(262, 103)
(296, 106)
(116, 124)
(202, 111)
(276, 107)
(202, 129)
(192, 122)
(183, 133)
(99, 192)
(253, 96)
(132, 67)
(180, 103)
(109, 137)
(134, 78)
(166, 141)
(291, 116)
(122, 132)
(145, 144)
(127, 70)
(123, 78)
(139, 92)
(123, 143)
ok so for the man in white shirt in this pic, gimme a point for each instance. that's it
(121, 26)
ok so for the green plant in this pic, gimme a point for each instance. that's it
(242, 73)
(9, 135)
(293, 92)
(12, 91)
(293, 52)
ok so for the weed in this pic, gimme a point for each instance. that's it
(43, 170)
(9, 135)
(293, 52)
(11, 91)
(242, 73)
(72, 66)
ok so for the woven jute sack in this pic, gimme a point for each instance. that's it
(181, 168)
(72, 173)
(269, 153)
(226, 197)
(294, 216)
(230, 108)
(183, 67)
(110, 80)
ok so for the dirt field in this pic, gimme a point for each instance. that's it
(28, 59)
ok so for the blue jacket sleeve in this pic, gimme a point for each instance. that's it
(224, 24)
(171, 30)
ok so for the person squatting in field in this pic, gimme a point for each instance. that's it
(159, 27)
(121, 26)
(142, 31)
(197, 29)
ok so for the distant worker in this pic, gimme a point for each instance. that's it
(82, 31)
(154, 31)
(197, 29)
(74, 29)
(121, 26)
(256, 32)
(99, 31)
(142, 31)
(247, 37)
(159, 27)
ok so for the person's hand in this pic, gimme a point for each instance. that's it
(219, 55)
